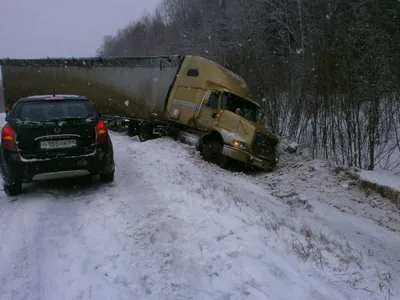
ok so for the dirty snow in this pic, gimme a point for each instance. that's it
(175, 227)
(382, 178)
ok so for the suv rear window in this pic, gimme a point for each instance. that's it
(44, 110)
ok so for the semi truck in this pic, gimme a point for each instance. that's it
(156, 96)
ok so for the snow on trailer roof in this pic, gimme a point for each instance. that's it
(139, 61)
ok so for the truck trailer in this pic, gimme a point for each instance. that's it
(156, 96)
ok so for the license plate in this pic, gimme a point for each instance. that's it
(57, 144)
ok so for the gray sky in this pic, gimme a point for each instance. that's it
(59, 28)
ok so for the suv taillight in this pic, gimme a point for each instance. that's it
(101, 133)
(8, 137)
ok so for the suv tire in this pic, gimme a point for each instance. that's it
(13, 189)
(107, 177)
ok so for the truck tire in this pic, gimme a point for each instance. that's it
(131, 129)
(211, 151)
(13, 189)
(107, 177)
(145, 133)
(224, 162)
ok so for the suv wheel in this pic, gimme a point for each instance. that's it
(107, 177)
(13, 189)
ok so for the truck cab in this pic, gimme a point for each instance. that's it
(215, 103)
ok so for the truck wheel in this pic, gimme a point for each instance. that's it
(176, 135)
(224, 162)
(131, 129)
(212, 151)
(13, 189)
(145, 133)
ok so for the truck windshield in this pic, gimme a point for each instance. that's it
(241, 106)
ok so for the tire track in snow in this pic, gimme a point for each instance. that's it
(76, 244)
(20, 264)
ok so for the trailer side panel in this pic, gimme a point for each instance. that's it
(126, 87)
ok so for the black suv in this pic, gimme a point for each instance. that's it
(51, 137)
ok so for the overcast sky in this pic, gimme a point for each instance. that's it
(59, 28)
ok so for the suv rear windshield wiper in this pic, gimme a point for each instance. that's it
(68, 119)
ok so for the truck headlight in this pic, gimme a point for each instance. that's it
(240, 145)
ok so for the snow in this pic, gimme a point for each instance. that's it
(2, 119)
(382, 178)
(230, 136)
(172, 226)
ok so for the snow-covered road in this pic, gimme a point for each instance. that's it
(172, 226)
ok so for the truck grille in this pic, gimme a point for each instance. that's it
(264, 146)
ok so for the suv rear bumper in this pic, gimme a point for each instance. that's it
(60, 174)
(18, 169)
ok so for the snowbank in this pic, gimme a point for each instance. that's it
(382, 178)
(385, 183)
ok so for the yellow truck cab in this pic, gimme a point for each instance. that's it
(215, 103)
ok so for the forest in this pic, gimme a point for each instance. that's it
(326, 73)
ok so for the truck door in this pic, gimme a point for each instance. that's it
(208, 111)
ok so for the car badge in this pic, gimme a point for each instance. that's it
(57, 130)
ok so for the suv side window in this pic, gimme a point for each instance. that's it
(214, 100)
